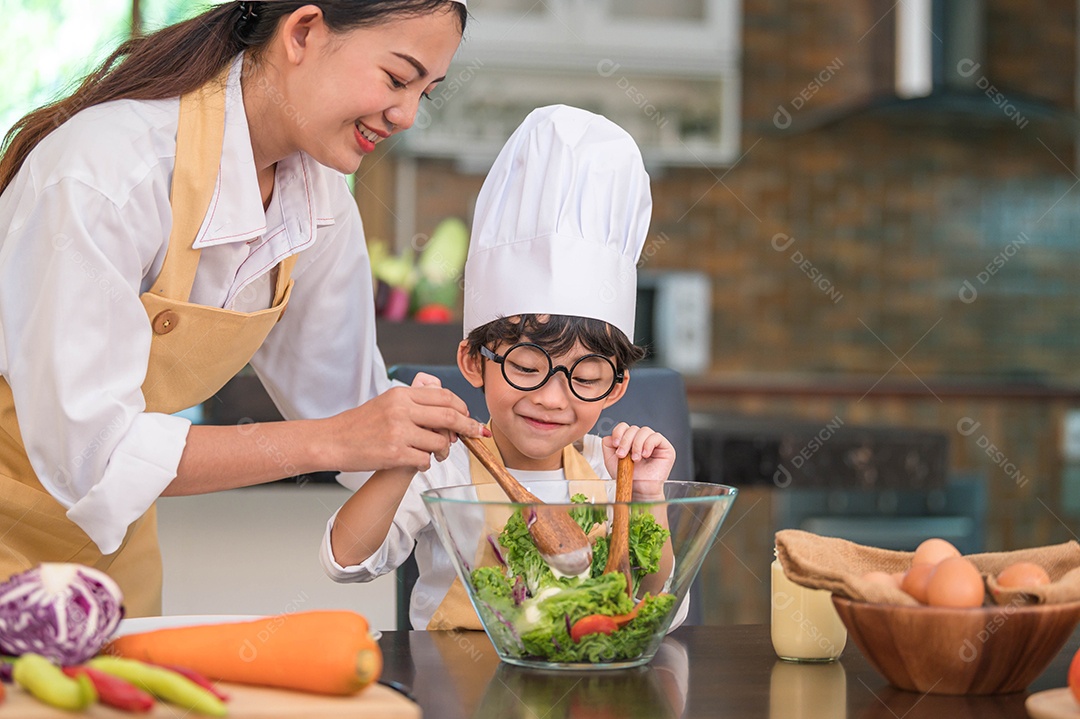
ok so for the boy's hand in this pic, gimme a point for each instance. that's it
(653, 457)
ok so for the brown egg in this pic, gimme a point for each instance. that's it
(933, 551)
(882, 578)
(955, 583)
(917, 580)
(1023, 574)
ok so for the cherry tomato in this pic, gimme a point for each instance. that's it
(433, 314)
(592, 624)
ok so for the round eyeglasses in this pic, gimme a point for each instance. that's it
(527, 366)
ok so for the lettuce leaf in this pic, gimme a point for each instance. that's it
(647, 539)
(522, 557)
(491, 582)
(539, 625)
(551, 640)
(586, 514)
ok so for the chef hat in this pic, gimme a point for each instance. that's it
(559, 223)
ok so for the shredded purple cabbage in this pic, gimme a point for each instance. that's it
(65, 612)
(6, 669)
(495, 547)
(569, 630)
(506, 623)
(519, 591)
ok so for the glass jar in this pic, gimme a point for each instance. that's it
(805, 625)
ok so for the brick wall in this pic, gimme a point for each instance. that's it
(890, 214)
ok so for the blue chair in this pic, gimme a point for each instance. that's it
(655, 397)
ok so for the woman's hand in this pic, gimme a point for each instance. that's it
(402, 427)
(423, 379)
(653, 457)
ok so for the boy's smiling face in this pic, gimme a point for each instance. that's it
(531, 428)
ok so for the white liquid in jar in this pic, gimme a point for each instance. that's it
(805, 625)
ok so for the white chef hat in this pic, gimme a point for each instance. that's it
(559, 223)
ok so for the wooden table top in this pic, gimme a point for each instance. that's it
(700, 671)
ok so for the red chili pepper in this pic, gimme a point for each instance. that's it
(113, 691)
(198, 679)
(3, 692)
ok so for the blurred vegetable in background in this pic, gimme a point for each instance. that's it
(425, 287)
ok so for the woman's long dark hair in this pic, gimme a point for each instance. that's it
(183, 57)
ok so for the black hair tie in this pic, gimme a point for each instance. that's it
(249, 18)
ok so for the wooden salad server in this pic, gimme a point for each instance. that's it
(560, 540)
(618, 559)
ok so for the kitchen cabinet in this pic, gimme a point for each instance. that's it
(666, 72)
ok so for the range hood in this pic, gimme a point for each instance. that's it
(941, 77)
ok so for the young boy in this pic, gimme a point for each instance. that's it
(550, 290)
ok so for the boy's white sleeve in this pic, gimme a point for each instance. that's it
(680, 613)
(593, 451)
(411, 517)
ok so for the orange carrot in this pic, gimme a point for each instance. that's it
(324, 652)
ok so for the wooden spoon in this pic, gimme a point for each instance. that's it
(618, 558)
(560, 540)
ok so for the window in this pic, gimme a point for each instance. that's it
(156, 14)
(49, 45)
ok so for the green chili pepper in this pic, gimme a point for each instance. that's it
(48, 683)
(162, 683)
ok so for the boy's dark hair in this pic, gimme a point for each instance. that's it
(558, 334)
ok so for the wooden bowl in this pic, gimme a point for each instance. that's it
(937, 650)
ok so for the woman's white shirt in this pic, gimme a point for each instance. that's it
(86, 224)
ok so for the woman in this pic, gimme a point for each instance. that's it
(153, 228)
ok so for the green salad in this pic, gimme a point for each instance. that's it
(533, 613)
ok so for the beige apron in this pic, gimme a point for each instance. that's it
(456, 611)
(194, 351)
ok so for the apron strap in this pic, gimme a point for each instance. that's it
(284, 274)
(191, 196)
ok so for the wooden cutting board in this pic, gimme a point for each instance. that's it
(245, 702)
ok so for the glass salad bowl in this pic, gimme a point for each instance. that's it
(537, 618)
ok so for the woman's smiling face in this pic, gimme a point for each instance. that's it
(342, 93)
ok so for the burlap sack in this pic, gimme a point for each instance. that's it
(838, 566)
